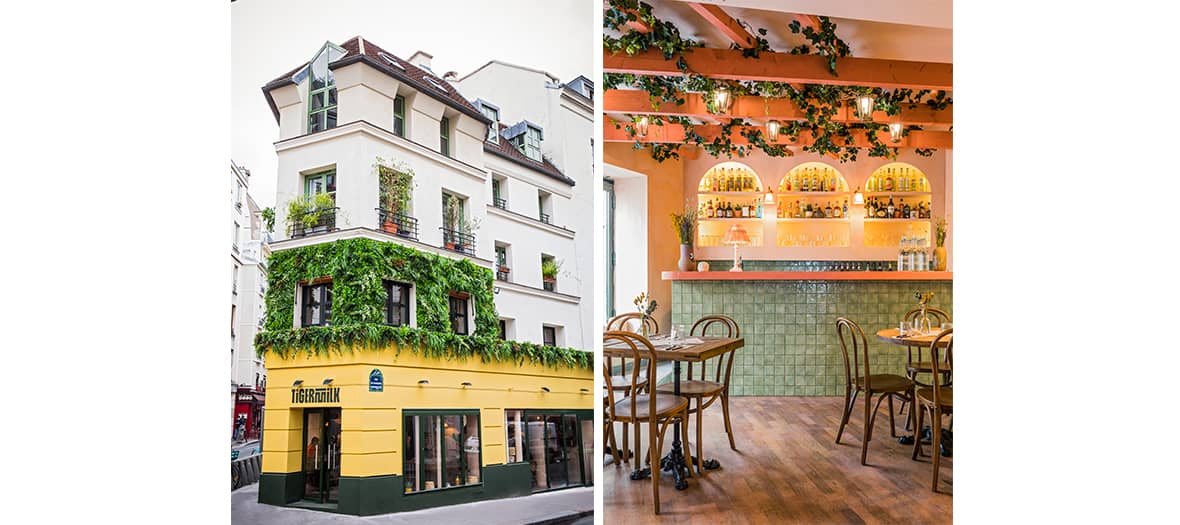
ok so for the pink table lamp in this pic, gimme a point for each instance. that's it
(736, 236)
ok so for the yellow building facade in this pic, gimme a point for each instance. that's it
(370, 431)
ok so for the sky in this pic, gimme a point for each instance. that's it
(269, 38)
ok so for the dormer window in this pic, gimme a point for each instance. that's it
(321, 106)
(529, 142)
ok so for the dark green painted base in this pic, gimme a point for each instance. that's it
(279, 489)
(366, 496)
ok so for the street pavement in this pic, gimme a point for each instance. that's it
(551, 508)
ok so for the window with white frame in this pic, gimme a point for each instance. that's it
(397, 303)
(316, 304)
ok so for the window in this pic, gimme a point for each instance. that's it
(233, 321)
(459, 315)
(549, 335)
(444, 135)
(532, 144)
(321, 108)
(397, 304)
(502, 268)
(236, 268)
(238, 195)
(317, 304)
(236, 228)
(498, 199)
(399, 115)
(503, 329)
(544, 207)
(442, 450)
(322, 182)
(493, 114)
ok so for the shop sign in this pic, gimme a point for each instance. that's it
(376, 381)
(321, 394)
(246, 398)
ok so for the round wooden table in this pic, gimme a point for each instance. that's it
(890, 335)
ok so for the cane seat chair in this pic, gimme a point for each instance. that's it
(859, 378)
(699, 388)
(637, 323)
(936, 400)
(626, 404)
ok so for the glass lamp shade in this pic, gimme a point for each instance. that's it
(895, 132)
(722, 100)
(772, 127)
(769, 197)
(864, 107)
(737, 236)
(858, 197)
(641, 124)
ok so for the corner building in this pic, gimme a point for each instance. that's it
(394, 382)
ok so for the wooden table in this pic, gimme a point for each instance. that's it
(672, 350)
(891, 336)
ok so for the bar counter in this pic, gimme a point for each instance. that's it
(788, 321)
(722, 275)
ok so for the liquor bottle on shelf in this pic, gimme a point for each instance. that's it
(828, 210)
(807, 212)
(901, 253)
(889, 180)
(890, 209)
(905, 210)
(903, 183)
(709, 210)
(798, 209)
(870, 208)
(729, 212)
(758, 209)
(844, 209)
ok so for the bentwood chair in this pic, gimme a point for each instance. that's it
(656, 409)
(629, 322)
(702, 390)
(856, 381)
(937, 400)
(915, 366)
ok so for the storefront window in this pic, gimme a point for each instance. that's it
(441, 451)
(557, 446)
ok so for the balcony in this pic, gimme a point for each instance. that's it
(502, 273)
(545, 218)
(398, 224)
(458, 241)
(320, 221)
(500, 203)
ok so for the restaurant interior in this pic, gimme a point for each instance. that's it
(779, 256)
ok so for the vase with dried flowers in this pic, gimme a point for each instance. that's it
(939, 239)
(685, 224)
(646, 305)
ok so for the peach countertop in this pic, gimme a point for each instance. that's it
(806, 276)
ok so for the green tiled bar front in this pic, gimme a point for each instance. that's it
(791, 348)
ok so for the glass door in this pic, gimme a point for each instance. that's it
(321, 454)
(555, 452)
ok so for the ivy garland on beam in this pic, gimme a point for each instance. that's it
(820, 103)
(358, 269)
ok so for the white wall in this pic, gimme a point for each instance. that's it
(630, 220)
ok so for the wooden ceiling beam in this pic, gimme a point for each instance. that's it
(637, 24)
(674, 133)
(729, 64)
(728, 25)
(750, 106)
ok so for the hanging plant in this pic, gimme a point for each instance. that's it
(820, 104)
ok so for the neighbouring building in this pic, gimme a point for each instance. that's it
(418, 356)
(249, 253)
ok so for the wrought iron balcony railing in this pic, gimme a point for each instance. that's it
(398, 224)
(502, 273)
(325, 221)
(545, 218)
(458, 241)
(500, 203)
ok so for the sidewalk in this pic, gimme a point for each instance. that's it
(562, 506)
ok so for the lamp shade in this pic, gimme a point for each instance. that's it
(772, 127)
(895, 131)
(737, 236)
(641, 124)
(864, 106)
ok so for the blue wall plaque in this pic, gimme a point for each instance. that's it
(376, 381)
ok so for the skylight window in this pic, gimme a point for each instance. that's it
(435, 83)
(390, 60)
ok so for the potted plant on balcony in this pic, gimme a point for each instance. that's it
(396, 183)
(549, 269)
(451, 221)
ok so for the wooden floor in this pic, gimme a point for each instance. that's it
(789, 469)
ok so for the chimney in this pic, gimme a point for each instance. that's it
(421, 59)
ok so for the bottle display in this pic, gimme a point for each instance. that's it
(730, 180)
(812, 178)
